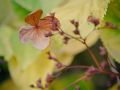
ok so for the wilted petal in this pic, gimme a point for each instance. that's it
(39, 40)
(36, 36)
(25, 33)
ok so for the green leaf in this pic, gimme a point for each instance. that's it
(111, 37)
(24, 53)
(56, 43)
(39, 69)
(64, 81)
(20, 11)
(113, 12)
(114, 87)
(31, 5)
(3, 9)
(8, 85)
(28, 64)
(80, 10)
(5, 44)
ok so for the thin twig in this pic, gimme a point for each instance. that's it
(80, 40)
(93, 56)
(89, 51)
(60, 71)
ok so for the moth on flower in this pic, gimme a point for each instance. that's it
(39, 30)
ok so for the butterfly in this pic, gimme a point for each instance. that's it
(38, 28)
(33, 18)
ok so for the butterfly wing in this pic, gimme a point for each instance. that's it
(33, 18)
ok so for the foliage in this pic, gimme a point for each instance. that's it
(110, 37)
(27, 64)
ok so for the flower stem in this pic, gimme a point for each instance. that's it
(93, 56)
(83, 41)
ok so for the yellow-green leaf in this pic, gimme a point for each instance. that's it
(24, 53)
(31, 5)
(39, 69)
(111, 37)
(80, 10)
(5, 44)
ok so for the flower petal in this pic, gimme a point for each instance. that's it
(37, 37)
(39, 40)
(26, 33)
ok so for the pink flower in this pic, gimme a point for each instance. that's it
(38, 29)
